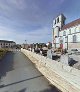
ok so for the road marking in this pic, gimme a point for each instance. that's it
(2, 86)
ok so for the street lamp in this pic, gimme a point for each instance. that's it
(25, 41)
(25, 44)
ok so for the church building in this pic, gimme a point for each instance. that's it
(66, 36)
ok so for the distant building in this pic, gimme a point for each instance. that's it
(66, 36)
(25, 46)
(6, 44)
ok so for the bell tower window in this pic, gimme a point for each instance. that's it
(55, 22)
(58, 20)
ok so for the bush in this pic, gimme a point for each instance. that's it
(3, 52)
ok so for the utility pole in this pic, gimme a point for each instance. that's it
(25, 44)
(25, 41)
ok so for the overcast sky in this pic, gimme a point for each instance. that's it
(31, 20)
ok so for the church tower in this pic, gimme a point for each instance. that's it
(58, 23)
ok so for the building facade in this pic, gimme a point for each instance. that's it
(6, 44)
(66, 36)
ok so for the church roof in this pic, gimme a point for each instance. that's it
(71, 24)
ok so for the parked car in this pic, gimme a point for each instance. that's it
(44, 51)
(37, 50)
(73, 51)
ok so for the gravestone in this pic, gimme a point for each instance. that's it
(65, 59)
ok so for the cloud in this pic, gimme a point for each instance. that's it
(19, 4)
(40, 35)
(29, 10)
(28, 19)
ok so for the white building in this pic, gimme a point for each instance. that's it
(6, 44)
(66, 36)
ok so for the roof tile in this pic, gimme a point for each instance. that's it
(73, 23)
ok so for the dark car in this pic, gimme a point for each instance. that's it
(44, 51)
(73, 51)
(37, 50)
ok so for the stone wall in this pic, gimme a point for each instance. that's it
(74, 45)
(62, 76)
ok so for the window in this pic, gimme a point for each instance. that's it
(64, 33)
(74, 38)
(55, 22)
(57, 19)
(75, 30)
(70, 31)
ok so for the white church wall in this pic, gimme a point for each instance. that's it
(78, 37)
(70, 38)
(60, 33)
(57, 40)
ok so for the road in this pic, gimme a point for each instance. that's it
(18, 74)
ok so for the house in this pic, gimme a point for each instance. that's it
(6, 44)
(66, 36)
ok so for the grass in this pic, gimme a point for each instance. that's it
(3, 51)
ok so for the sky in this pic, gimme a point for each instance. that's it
(31, 20)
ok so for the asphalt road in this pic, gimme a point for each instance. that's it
(18, 74)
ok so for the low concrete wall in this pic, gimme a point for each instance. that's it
(62, 76)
